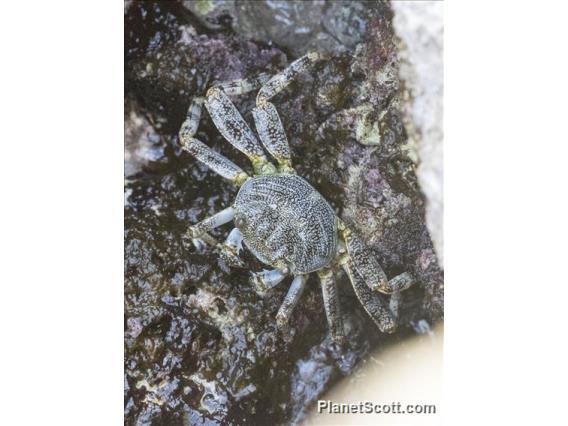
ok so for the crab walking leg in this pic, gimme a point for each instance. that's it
(193, 115)
(235, 130)
(272, 135)
(267, 121)
(212, 222)
(281, 80)
(395, 303)
(331, 304)
(268, 279)
(214, 160)
(291, 300)
(235, 240)
(368, 267)
(245, 85)
(372, 302)
(202, 152)
(230, 249)
(401, 282)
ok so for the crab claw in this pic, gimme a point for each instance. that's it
(230, 256)
(230, 249)
(267, 279)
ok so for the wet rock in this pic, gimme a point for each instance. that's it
(142, 144)
(201, 347)
(214, 14)
(298, 26)
(346, 21)
(169, 60)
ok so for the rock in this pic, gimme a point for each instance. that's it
(298, 26)
(142, 144)
(214, 14)
(420, 28)
(201, 347)
(168, 61)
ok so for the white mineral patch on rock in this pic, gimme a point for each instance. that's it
(141, 144)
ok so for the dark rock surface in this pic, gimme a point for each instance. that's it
(201, 347)
(295, 25)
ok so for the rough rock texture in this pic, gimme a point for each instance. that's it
(420, 28)
(295, 25)
(201, 347)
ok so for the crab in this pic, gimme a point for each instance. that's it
(282, 219)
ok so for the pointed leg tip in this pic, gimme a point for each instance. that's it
(199, 245)
(281, 321)
(389, 328)
(258, 283)
(315, 56)
(230, 257)
(340, 341)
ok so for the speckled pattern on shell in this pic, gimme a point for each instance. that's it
(286, 223)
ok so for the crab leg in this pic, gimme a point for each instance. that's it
(372, 302)
(281, 80)
(395, 303)
(231, 248)
(291, 300)
(332, 306)
(235, 130)
(268, 124)
(272, 135)
(200, 230)
(368, 267)
(268, 279)
(244, 85)
(398, 284)
(202, 152)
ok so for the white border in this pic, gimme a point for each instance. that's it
(506, 212)
(62, 213)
